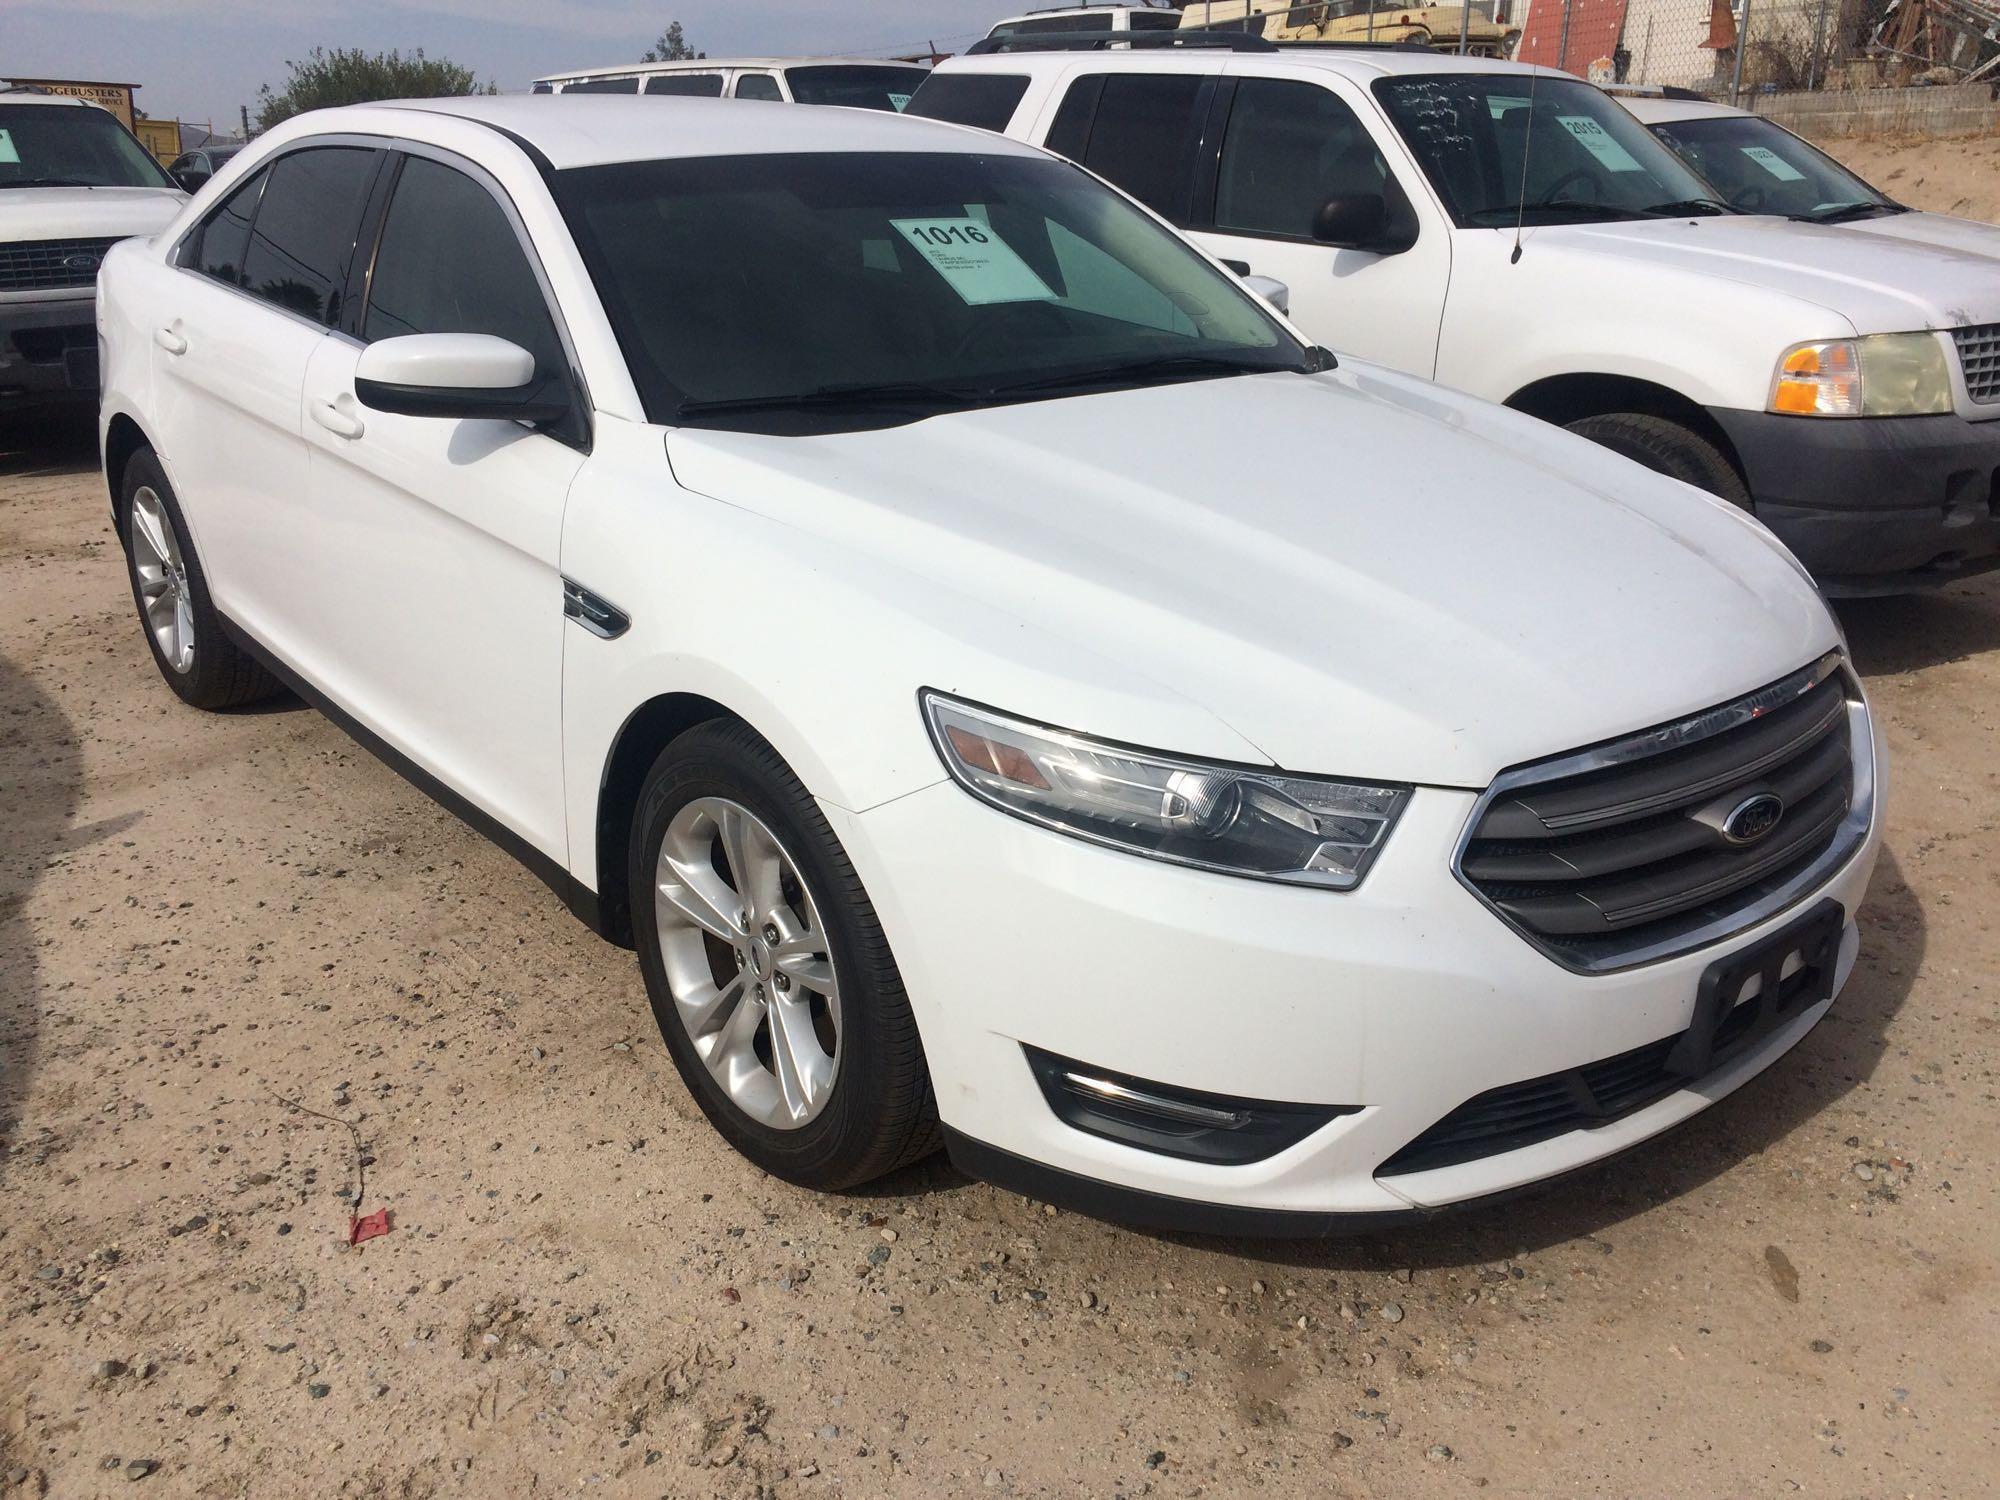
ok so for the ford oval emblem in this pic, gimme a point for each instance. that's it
(82, 262)
(1753, 818)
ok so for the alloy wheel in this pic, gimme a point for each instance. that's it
(163, 582)
(747, 962)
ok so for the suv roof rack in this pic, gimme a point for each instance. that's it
(1196, 37)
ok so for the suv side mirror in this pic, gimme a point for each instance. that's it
(1272, 291)
(1360, 221)
(456, 375)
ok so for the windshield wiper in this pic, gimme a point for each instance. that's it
(48, 182)
(1839, 213)
(1165, 365)
(859, 394)
(1681, 207)
(1505, 213)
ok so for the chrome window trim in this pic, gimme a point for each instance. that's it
(1692, 729)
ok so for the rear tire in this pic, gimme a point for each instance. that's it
(1667, 447)
(772, 984)
(196, 657)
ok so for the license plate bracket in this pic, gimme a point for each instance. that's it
(1723, 1027)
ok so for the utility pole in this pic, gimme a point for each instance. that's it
(1464, 25)
(1742, 44)
(1819, 44)
(1562, 46)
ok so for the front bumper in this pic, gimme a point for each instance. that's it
(48, 352)
(1875, 505)
(1402, 1000)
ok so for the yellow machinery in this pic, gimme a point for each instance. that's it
(1437, 26)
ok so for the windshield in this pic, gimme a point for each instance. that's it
(895, 284)
(854, 84)
(1586, 159)
(52, 145)
(1762, 169)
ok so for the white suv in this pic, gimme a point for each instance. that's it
(1844, 387)
(997, 674)
(73, 182)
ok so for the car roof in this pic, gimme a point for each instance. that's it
(36, 96)
(716, 64)
(1363, 64)
(584, 130)
(1653, 110)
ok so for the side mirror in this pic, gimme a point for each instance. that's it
(464, 375)
(190, 181)
(1272, 291)
(1359, 222)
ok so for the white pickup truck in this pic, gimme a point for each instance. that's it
(73, 182)
(1844, 387)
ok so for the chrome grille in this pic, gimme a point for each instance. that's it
(42, 265)
(1633, 851)
(1979, 356)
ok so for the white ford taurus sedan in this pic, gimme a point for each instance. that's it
(1008, 687)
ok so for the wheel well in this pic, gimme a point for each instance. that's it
(1563, 399)
(649, 730)
(121, 440)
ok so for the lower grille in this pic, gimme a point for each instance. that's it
(44, 265)
(1979, 356)
(1522, 1114)
(1676, 837)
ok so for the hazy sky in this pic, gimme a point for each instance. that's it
(199, 59)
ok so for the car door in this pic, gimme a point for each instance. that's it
(246, 304)
(438, 611)
(1287, 147)
(1139, 131)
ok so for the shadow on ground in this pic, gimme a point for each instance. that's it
(34, 447)
(1906, 632)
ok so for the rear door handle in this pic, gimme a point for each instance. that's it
(170, 341)
(329, 415)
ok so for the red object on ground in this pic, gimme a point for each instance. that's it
(368, 1226)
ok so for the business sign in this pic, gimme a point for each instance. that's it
(116, 97)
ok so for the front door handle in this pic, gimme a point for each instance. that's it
(341, 424)
(170, 341)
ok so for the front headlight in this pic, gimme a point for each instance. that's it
(1882, 375)
(1242, 822)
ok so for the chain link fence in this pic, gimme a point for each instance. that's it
(1740, 50)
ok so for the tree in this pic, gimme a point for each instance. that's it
(344, 76)
(673, 46)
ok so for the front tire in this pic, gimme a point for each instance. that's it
(767, 970)
(1667, 447)
(195, 656)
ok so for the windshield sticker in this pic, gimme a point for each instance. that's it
(1598, 141)
(1773, 163)
(974, 261)
(8, 155)
(901, 101)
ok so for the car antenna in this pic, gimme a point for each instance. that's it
(1527, 145)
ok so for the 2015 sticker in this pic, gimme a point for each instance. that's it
(1600, 143)
(1773, 163)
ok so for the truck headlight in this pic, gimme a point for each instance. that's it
(1882, 375)
(1264, 824)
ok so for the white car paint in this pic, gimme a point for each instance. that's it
(1351, 573)
(1947, 231)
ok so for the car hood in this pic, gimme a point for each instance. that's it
(1968, 235)
(70, 213)
(1877, 283)
(1360, 574)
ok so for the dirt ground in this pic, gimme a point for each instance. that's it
(1948, 177)
(203, 917)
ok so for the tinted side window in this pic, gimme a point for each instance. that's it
(686, 85)
(986, 100)
(603, 86)
(303, 237)
(226, 235)
(1289, 148)
(449, 262)
(1144, 135)
(758, 86)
